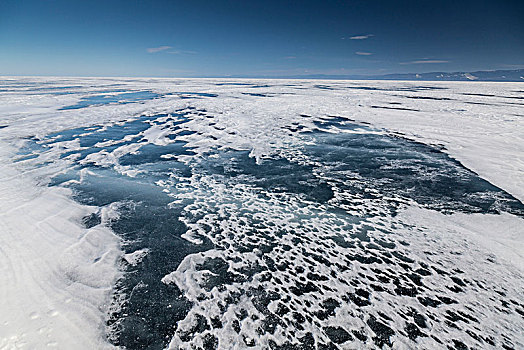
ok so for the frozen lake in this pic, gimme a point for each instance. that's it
(281, 214)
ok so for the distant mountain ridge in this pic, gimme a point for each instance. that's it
(493, 75)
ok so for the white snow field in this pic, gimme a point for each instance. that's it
(67, 282)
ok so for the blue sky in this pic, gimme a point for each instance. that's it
(257, 38)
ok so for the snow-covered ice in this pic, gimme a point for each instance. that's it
(267, 213)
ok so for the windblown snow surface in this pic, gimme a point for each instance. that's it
(267, 214)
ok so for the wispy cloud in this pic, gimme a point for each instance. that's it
(158, 49)
(360, 37)
(182, 52)
(424, 61)
(361, 53)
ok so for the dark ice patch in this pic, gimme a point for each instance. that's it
(126, 97)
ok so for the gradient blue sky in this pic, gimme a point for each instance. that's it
(258, 38)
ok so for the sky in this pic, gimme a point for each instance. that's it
(197, 38)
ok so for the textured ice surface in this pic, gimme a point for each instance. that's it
(265, 214)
